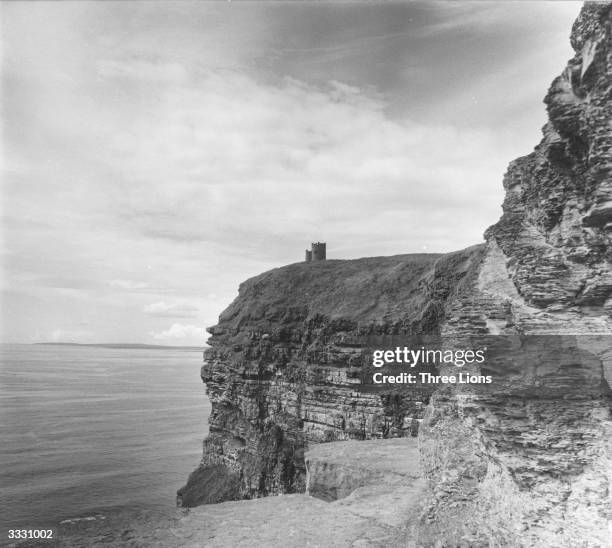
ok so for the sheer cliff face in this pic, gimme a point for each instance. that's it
(529, 462)
(557, 217)
(286, 356)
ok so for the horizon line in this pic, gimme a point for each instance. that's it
(114, 345)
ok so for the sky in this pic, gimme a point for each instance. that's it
(157, 154)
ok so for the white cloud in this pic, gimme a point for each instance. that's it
(180, 333)
(153, 174)
(143, 70)
(203, 180)
(249, 161)
(173, 310)
(128, 284)
(67, 335)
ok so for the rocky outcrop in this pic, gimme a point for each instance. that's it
(526, 461)
(284, 364)
(557, 221)
(337, 470)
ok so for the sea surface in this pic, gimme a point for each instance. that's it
(89, 430)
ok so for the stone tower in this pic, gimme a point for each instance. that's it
(317, 253)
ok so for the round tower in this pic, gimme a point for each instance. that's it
(318, 251)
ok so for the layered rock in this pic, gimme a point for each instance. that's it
(526, 461)
(557, 220)
(284, 364)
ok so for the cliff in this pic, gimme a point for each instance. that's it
(531, 458)
(284, 361)
(527, 461)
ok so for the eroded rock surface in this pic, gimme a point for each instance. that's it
(335, 470)
(284, 365)
(528, 462)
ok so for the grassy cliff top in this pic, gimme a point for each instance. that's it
(371, 289)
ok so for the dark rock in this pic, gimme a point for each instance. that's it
(283, 363)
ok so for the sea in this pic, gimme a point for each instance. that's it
(86, 431)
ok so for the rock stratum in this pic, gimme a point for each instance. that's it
(283, 368)
(527, 462)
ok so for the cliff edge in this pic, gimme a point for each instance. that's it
(284, 361)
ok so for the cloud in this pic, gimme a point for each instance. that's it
(144, 70)
(250, 160)
(128, 284)
(67, 335)
(175, 310)
(139, 174)
(180, 333)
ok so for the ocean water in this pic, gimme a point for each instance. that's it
(91, 430)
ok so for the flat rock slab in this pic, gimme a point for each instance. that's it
(396, 455)
(335, 470)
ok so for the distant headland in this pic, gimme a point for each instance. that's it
(128, 346)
